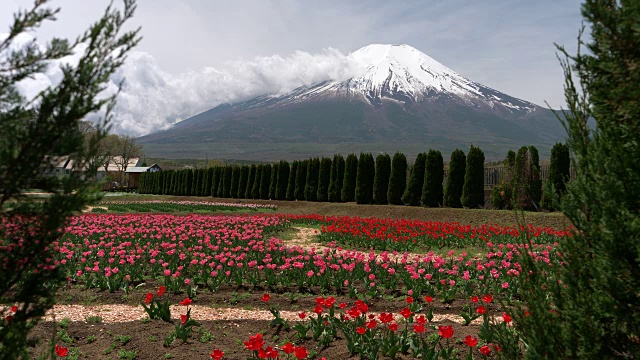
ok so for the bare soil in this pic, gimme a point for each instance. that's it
(144, 340)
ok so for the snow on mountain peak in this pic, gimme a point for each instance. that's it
(386, 72)
(403, 69)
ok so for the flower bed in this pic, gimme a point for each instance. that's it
(409, 235)
(114, 252)
(188, 253)
(159, 206)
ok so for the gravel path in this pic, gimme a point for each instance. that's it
(124, 313)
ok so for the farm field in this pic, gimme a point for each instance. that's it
(333, 286)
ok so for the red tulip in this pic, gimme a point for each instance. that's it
(485, 350)
(406, 313)
(217, 354)
(288, 348)
(471, 341)
(487, 298)
(301, 352)
(506, 317)
(61, 351)
(186, 302)
(445, 331)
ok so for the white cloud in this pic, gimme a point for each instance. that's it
(152, 99)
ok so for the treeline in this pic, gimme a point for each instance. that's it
(363, 179)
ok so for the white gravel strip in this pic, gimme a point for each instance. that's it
(125, 313)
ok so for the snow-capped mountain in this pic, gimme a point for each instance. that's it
(399, 99)
(398, 73)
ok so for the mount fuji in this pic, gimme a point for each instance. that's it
(399, 100)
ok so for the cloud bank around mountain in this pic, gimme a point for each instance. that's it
(152, 99)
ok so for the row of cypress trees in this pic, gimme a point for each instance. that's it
(362, 179)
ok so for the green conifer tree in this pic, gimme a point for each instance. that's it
(364, 179)
(174, 180)
(217, 180)
(559, 173)
(265, 181)
(186, 182)
(398, 179)
(381, 180)
(291, 182)
(473, 188)
(324, 176)
(432, 190)
(242, 182)
(221, 183)
(336, 178)
(520, 195)
(455, 179)
(209, 182)
(283, 180)
(235, 181)
(413, 191)
(250, 181)
(301, 179)
(311, 188)
(349, 183)
(257, 183)
(204, 185)
(227, 179)
(34, 130)
(535, 182)
(273, 184)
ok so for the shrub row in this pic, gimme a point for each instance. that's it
(361, 179)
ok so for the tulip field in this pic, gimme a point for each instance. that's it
(361, 288)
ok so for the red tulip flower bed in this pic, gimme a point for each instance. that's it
(409, 235)
(195, 255)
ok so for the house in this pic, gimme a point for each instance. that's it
(59, 166)
(135, 171)
(115, 171)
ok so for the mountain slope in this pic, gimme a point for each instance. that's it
(400, 99)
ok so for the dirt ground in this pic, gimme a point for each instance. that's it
(122, 336)
(144, 340)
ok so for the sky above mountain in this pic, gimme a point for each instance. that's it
(197, 54)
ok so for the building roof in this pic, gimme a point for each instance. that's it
(137, 169)
(140, 169)
(114, 164)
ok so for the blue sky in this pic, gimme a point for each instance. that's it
(507, 45)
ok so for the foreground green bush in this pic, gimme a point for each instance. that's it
(589, 306)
